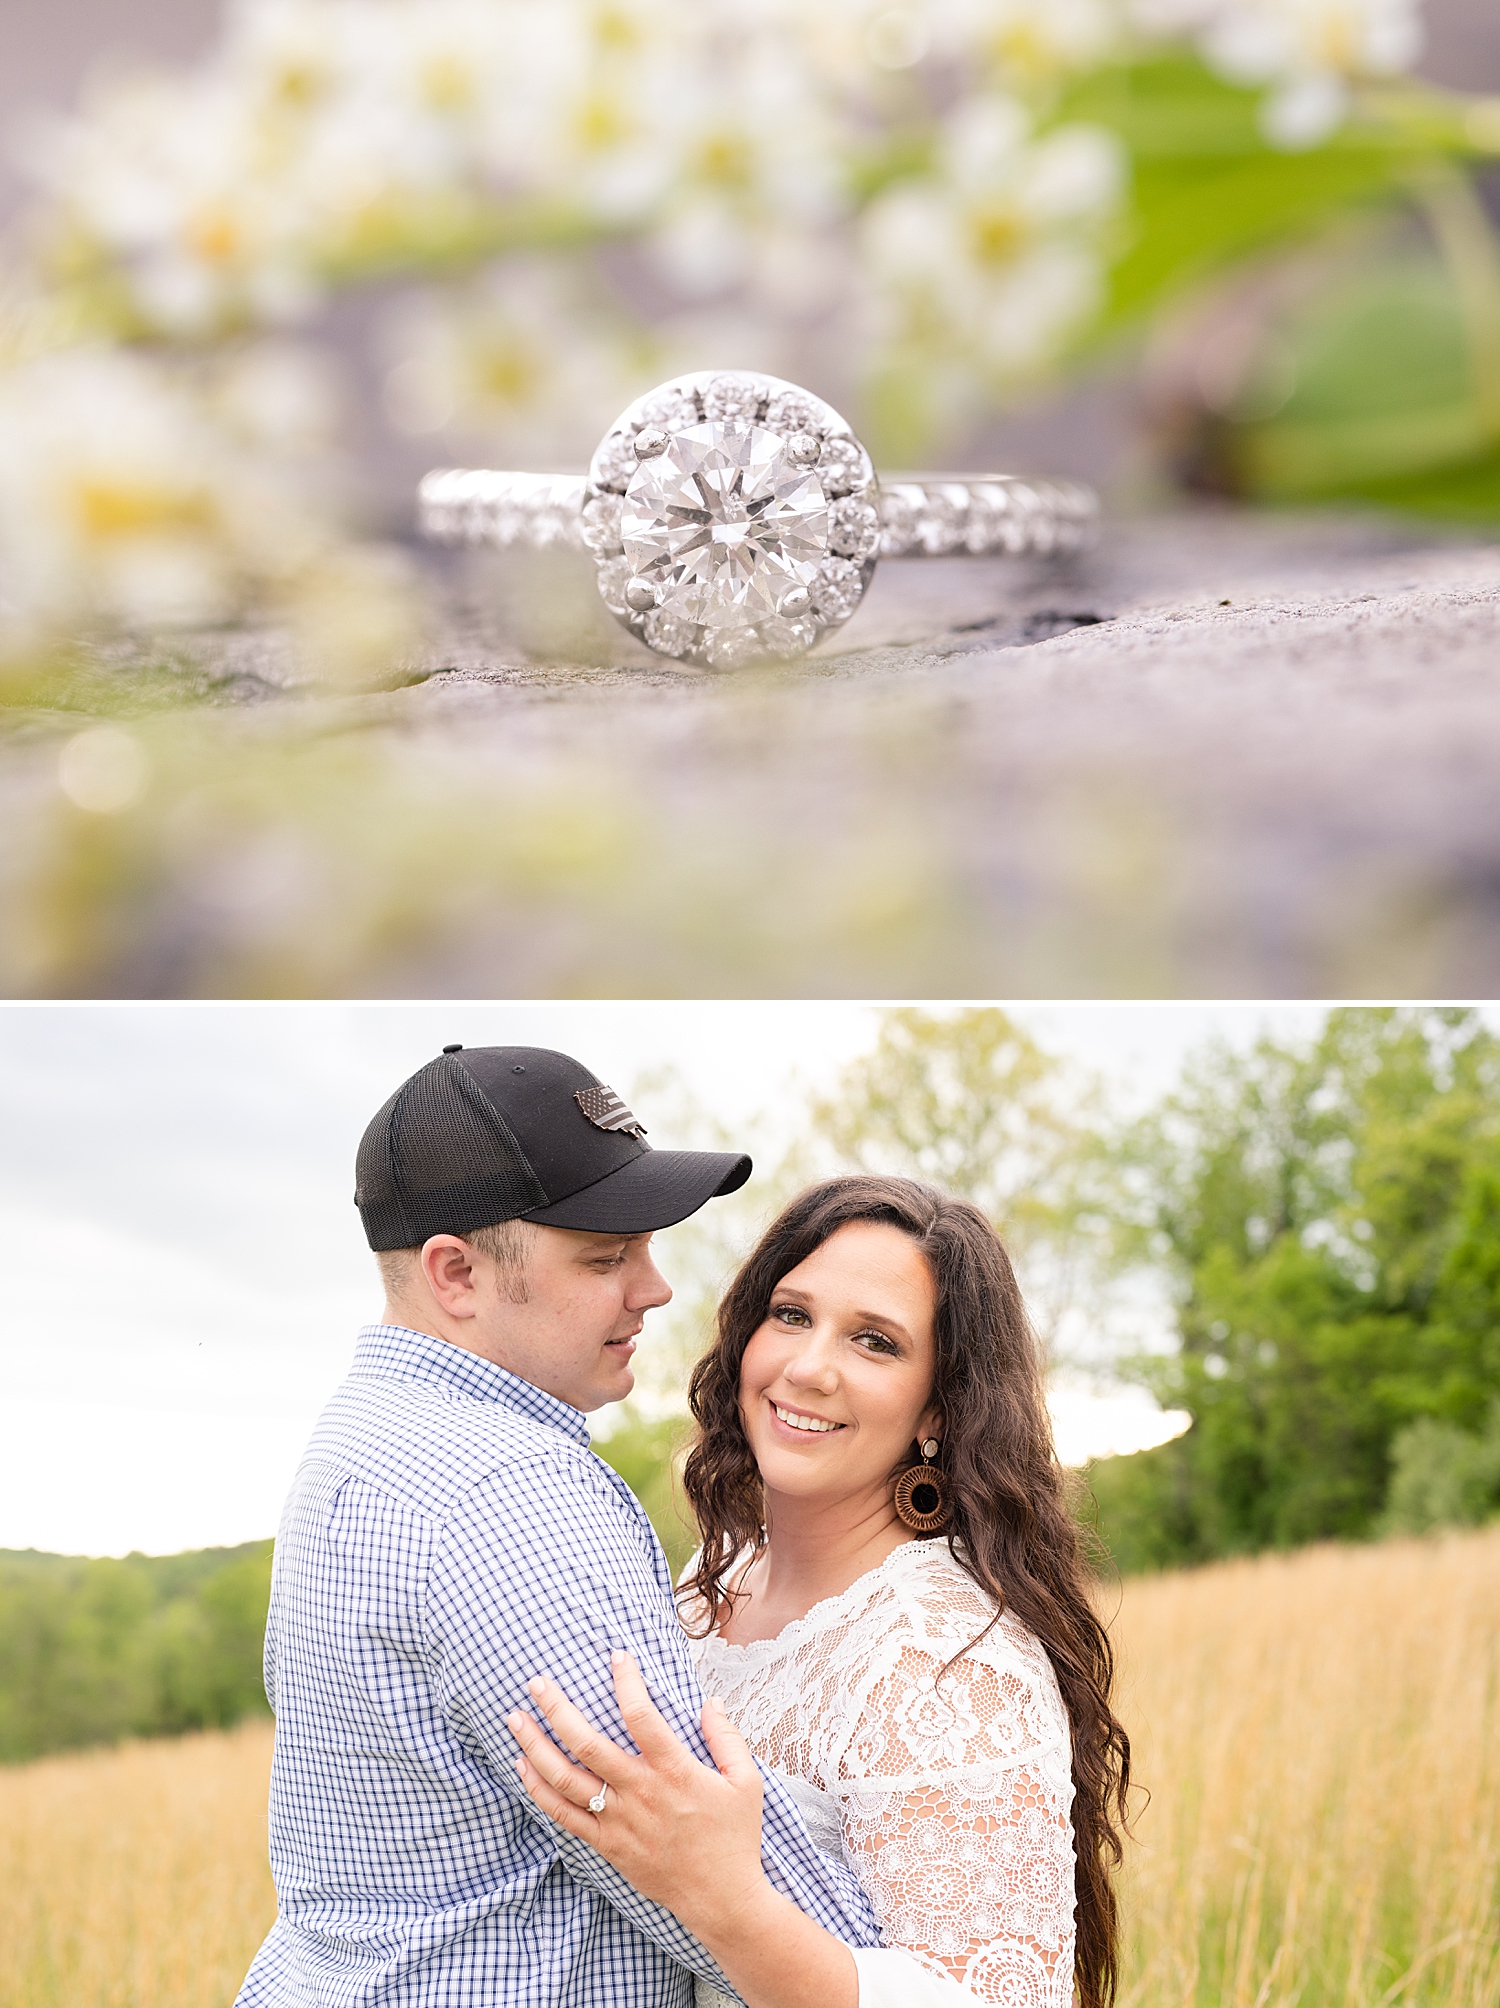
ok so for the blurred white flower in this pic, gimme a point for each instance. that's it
(170, 180)
(278, 396)
(515, 358)
(1034, 42)
(1015, 43)
(121, 501)
(321, 136)
(1308, 51)
(758, 175)
(998, 254)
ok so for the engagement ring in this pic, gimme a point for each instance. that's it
(733, 516)
(596, 1804)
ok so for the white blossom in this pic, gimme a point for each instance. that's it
(516, 358)
(1308, 52)
(999, 251)
(122, 500)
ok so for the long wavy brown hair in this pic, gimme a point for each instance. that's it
(1008, 1520)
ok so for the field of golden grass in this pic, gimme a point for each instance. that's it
(1320, 1734)
(135, 1878)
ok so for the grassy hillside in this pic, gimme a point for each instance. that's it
(91, 1650)
(1319, 1733)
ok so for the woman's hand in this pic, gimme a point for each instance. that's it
(683, 1834)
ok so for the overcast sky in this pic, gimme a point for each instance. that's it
(183, 1266)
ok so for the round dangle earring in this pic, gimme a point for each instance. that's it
(920, 1501)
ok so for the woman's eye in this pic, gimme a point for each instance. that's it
(790, 1314)
(877, 1342)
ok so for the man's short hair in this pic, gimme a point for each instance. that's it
(508, 1244)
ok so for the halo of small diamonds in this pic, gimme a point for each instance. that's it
(757, 525)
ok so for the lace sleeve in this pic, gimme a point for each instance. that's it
(955, 1793)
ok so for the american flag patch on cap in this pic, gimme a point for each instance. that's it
(606, 1111)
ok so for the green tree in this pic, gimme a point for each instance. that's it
(969, 1101)
(1332, 1216)
(1442, 1476)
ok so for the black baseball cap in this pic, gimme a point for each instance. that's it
(490, 1133)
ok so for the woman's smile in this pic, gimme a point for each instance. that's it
(799, 1422)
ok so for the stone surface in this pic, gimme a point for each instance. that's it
(1227, 755)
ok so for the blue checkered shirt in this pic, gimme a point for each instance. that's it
(448, 1535)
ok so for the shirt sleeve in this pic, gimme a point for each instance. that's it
(967, 1852)
(548, 1566)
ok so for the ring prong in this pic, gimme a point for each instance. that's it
(640, 594)
(649, 442)
(792, 605)
(804, 449)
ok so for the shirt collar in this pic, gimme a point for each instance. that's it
(395, 1352)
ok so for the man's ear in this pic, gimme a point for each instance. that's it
(447, 1266)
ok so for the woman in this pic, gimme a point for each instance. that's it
(889, 1603)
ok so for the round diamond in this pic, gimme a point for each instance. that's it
(666, 632)
(733, 397)
(836, 590)
(794, 411)
(854, 527)
(732, 648)
(726, 523)
(670, 409)
(615, 461)
(782, 637)
(613, 579)
(601, 524)
(843, 465)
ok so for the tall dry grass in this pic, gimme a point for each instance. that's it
(135, 1878)
(1320, 1734)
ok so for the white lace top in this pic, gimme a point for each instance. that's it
(949, 1798)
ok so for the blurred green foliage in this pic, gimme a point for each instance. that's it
(95, 1650)
(648, 1456)
(1332, 1217)
(1442, 1476)
(1384, 374)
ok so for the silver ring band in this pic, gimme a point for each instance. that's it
(921, 515)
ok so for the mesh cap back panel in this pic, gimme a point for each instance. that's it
(440, 1159)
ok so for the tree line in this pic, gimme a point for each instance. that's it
(1321, 1219)
(93, 1650)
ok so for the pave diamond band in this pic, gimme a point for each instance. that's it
(920, 515)
(732, 516)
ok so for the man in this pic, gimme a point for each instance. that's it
(450, 1534)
